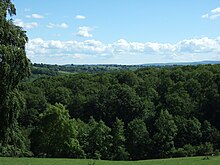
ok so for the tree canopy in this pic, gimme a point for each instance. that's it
(14, 66)
(151, 113)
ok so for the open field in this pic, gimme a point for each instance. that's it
(175, 161)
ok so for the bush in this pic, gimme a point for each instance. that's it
(205, 149)
(180, 152)
(10, 150)
(216, 153)
(189, 149)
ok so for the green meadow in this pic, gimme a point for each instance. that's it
(47, 161)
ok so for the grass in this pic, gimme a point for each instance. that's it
(47, 161)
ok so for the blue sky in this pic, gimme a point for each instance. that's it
(120, 31)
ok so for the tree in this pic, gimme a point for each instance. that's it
(119, 101)
(179, 103)
(165, 134)
(99, 140)
(59, 95)
(118, 141)
(205, 149)
(209, 133)
(14, 66)
(177, 75)
(35, 102)
(127, 77)
(56, 134)
(137, 139)
(189, 131)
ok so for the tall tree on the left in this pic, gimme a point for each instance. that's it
(14, 66)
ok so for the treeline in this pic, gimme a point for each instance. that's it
(53, 70)
(128, 115)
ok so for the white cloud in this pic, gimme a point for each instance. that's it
(216, 10)
(213, 14)
(185, 50)
(51, 25)
(62, 25)
(28, 25)
(79, 56)
(80, 17)
(205, 16)
(36, 16)
(84, 31)
(201, 45)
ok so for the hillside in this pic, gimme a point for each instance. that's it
(152, 112)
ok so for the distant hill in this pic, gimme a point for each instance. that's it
(182, 63)
(53, 70)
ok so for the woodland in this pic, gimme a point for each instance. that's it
(115, 114)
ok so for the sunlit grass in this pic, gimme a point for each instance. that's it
(47, 161)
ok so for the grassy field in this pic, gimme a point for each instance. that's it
(176, 161)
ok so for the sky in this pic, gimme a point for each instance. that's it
(120, 31)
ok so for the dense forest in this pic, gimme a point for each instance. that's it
(147, 113)
(128, 114)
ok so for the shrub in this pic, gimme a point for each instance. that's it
(205, 149)
(189, 149)
(180, 152)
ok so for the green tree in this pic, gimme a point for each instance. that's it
(56, 134)
(189, 149)
(179, 103)
(189, 131)
(35, 102)
(177, 75)
(193, 88)
(205, 149)
(119, 101)
(127, 77)
(99, 140)
(14, 66)
(166, 131)
(118, 141)
(209, 133)
(59, 95)
(137, 139)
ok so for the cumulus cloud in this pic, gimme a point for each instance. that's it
(185, 50)
(202, 45)
(84, 31)
(216, 10)
(62, 25)
(213, 14)
(24, 25)
(205, 16)
(36, 16)
(80, 17)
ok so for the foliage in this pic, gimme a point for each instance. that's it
(99, 140)
(14, 66)
(55, 135)
(205, 149)
(118, 151)
(166, 131)
(137, 139)
(147, 113)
